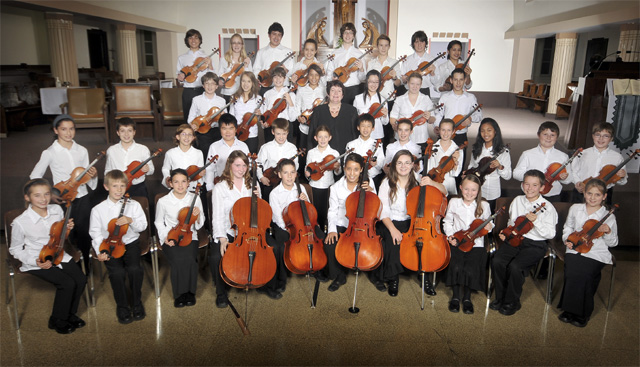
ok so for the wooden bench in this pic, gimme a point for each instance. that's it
(564, 103)
(533, 97)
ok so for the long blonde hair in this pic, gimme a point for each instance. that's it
(228, 56)
(227, 176)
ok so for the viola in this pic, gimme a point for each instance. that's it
(182, 233)
(303, 74)
(54, 250)
(248, 121)
(522, 225)
(342, 73)
(271, 173)
(237, 69)
(385, 73)
(265, 78)
(608, 172)
(113, 245)
(304, 252)
(191, 72)
(423, 68)
(484, 166)
(69, 189)
(466, 238)
(249, 262)
(317, 169)
(204, 123)
(307, 113)
(459, 119)
(195, 173)
(447, 164)
(418, 118)
(134, 169)
(376, 108)
(552, 174)
(582, 240)
(448, 84)
(272, 114)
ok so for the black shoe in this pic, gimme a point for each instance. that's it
(61, 326)
(269, 292)
(335, 285)
(393, 288)
(509, 309)
(76, 322)
(579, 321)
(321, 276)
(495, 305)
(180, 301)
(542, 275)
(281, 288)
(454, 305)
(380, 285)
(189, 299)
(467, 306)
(124, 315)
(138, 312)
(222, 301)
(428, 288)
(565, 317)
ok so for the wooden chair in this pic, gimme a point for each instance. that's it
(135, 100)
(13, 264)
(88, 108)
(171, 106)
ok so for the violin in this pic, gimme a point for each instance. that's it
(271, 173)
(304, 252)
(448, 84)
(484, 166)
(204, 123)
(229, 78)
(552, 174)
(447, 164)
(134, 169)
(582, 240)
(54, 250)
(303, 74)
(248, 121)
(307, 113)
(249, 262)
(272, 114)
(418, 118)
(181, 234)
(423, 68)
(370, 156)
(342, 73)
(376, 108)
(522, 225)
(191, 72)
(608, 172)
(265, 78)
(317, 169)
(69, 189)
(113, 245)
(195, 173)
(459, 119)
(466, 238)
(385, 73)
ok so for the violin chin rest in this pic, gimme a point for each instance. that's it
(320, 233)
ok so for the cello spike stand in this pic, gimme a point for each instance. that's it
(353, 309)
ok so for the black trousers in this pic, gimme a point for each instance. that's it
(252, 143)
(69, 282)
(214, 265)
(581, 279)
(205, 140)
(459, 139)
(187, 99)
(184, 267)
(139, 190)
(511, 266)
(391, 267)
(321, 202)
(334, 270)
(276, 240)
(81, 213)
(126, 266)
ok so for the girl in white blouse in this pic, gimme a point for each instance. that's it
(582, 271)
(247, 101)
(182, 156)
(235, 55)
(466, 270)
(446, 147)
(363, 103)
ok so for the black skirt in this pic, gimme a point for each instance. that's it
(467, 268)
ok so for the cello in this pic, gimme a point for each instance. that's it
(182, 234)
(446, 164)
(317, 169)
(459, 119)
(191, 72)
(385, 73)
(466, 237)
(230, 76)
(359, 247)
(248, 121)
(582, 240)
(69, 189)
(484, 166)
(204, 123)
(264, 77)
(343, 72)
(54, 250)
(513, 235)
(423, 68)
(608, 172)
(554, 170)
(424, 248)
(134, 169)
(113, 245)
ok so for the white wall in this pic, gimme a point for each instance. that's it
(23, 35)
(522, 63)
(536, 9)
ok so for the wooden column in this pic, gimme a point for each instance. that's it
(563, 61)
(127, 51)
(629, 41)
(64, 64)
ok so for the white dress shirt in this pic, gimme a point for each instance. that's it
(271, 153)
(176, 158)
(413, 62)
(450, 177)
(443, 71)
(189, 59)
(536, 158)
(591, 162)
(222, 200)
(280, 198)
(460, 215)
(29, 234)
(62, 162)
(361, 147)
(363, 107)
(107, 210)
(403, 108)
(167, 210)
(119, 158)
(575, 221)
(268, 55)
(458, 105)
(342, 56)
(388, 86)
(290, 113)
(315, 155)
(396, 210)
(225, 67)
(396, 146)
(304, 101)
(202, 104)
(491, 187)
(222, 150)
(240, 108)
(337, 214)
(544, 227)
